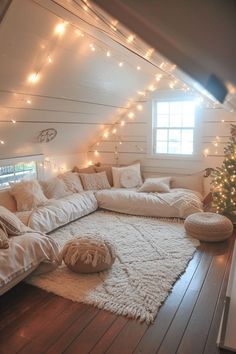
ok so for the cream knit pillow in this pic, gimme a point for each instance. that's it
(72, 181)
(94, 181)
(55, 188)
(28, 195)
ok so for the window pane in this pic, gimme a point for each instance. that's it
(175, 107)
(163, 108)
(175, 121)
(161, 147)
(174, 135)
(188, 120)
(162, 135)
(174, 148)
(174, 126)
(187, 148)
(187, 135)
(163, 120)
(18, 172)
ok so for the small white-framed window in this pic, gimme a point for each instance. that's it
(17, 169)
(174, 127)
(17, 172)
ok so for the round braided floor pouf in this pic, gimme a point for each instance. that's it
(209, 227)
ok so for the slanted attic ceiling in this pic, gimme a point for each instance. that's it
(79, 89)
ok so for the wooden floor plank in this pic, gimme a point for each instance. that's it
(183, 314)
(128, 338)
(106, 340)
(156, 332)
(33, 321)
(84, 342)
(196, 332)
(210, 345)
(73, 331)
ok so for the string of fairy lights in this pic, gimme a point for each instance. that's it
(132, 108)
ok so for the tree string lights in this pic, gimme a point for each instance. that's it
(224, 183)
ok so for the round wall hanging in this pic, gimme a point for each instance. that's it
(47, 135)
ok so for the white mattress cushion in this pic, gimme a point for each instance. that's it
(60, 212)
(177, 203)
(25, 253)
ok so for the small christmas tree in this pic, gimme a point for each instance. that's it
(224, 181)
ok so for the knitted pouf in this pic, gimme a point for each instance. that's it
(89, 253)
(209, 227)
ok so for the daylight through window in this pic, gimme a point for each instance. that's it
(174, 123)
(17, 172)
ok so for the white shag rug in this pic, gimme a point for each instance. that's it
(151, 255)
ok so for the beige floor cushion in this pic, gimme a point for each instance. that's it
(88, 254)
(209, 227)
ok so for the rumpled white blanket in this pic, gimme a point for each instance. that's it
(186, 201)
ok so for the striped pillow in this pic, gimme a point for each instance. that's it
(13, 225)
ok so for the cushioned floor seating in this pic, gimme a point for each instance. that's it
(209, 227)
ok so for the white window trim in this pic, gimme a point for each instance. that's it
(38, 159)
(174, 96)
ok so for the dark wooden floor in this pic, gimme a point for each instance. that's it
(33, 321)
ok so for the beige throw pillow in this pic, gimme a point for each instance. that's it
(54, 188)
(11, 223)
(95, 181)
(118, 171)
(28, 195)
(160, 185)
(108, 171)
(72, 181)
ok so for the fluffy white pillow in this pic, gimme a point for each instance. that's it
(134, 176)
(72, 181)
(28, 195)
(94, 181)
(160, 185)
(54, 188)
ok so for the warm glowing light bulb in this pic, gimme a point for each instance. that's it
(158, 77)
(120, 142)
(96, 153)
(2, 142)
(131, 115)
(33, 77)
(13, 121)
(105, 135)
(28, 101)
(60, 28)
(151, 88)
(49, 59)
(90, 163)
(85, 8)
(114, 131)
(120, 64)
(122, 123)
(138, 67)
(222, 120)
(108, 54)
(139, 107)
(130, 39)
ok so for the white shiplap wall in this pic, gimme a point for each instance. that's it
(135, 137)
